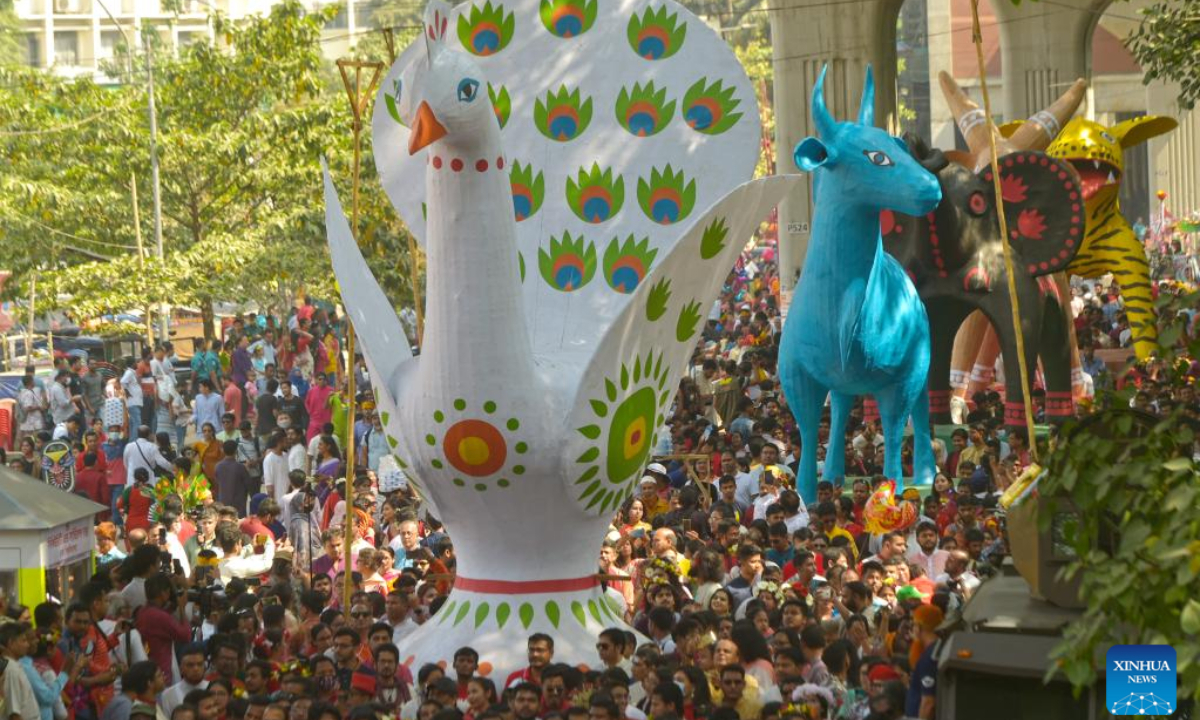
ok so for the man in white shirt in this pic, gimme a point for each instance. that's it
(399, 617)
(132, 388)
(17, 698)
(143, 453)
(61, 404)
(275, 469)
(867, 437)
(243, 562)
(160, 366)
(191, 672)
(957, 578)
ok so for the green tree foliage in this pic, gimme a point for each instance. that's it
(242, 124)
(1167, 44)
(1134, 497)
(11, 52)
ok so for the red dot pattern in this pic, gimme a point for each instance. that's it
(456, 164)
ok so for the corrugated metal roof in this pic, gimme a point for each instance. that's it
(29, 504)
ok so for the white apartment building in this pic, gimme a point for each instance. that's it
(74, 37)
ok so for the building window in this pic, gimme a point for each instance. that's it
(187, 38)
(33, 50)
(109, 40)
(66, 48)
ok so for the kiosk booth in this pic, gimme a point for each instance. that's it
(46, 539)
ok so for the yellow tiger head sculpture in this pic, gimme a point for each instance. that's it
(1097, 152)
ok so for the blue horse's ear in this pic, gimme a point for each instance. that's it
(811, 154)
(866, 107)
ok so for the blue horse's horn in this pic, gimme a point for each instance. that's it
(866, 108)
(824, 121)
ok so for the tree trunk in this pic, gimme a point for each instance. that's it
(208, 316)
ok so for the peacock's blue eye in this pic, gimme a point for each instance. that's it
(468, 88)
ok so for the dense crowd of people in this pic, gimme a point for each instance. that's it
(220, 563)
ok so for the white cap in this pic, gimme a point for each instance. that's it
(656, 468)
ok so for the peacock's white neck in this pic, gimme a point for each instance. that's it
(475, 320)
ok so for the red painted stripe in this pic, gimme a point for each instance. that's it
(525, 587)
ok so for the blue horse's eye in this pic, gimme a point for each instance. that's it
(396, 86)
(467, 90)
(878, 157)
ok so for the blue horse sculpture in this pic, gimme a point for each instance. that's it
(857, 325)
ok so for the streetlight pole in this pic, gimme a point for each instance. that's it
(163, 313)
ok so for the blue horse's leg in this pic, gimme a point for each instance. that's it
(924, 463)
(835, 455)
(892, 414)
(806, 397)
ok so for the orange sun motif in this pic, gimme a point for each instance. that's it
(476, 448)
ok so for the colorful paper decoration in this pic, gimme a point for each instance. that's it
(885, 513)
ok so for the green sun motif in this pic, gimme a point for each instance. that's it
(480, 448)
(628, 415)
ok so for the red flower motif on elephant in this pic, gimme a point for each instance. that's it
(1031, 224)
(1013, 188)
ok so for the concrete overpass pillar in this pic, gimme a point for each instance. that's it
(805, 35)
(1045, 47)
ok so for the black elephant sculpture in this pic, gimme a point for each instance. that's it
(955, 258)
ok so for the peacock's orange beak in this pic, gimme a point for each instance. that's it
(425, 130)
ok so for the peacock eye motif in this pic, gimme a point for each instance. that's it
(468, 89)
(709, 107)
(879, 158)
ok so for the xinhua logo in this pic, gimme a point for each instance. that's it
(1140, 680)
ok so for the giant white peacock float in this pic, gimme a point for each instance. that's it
(578, 175)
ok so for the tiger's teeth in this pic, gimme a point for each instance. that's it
(1096, 164)
(1111, 178)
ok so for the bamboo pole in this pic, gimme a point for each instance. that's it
(359, 96)
(137, 233)
(32, 316)
(414, 252)
(977, 37)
